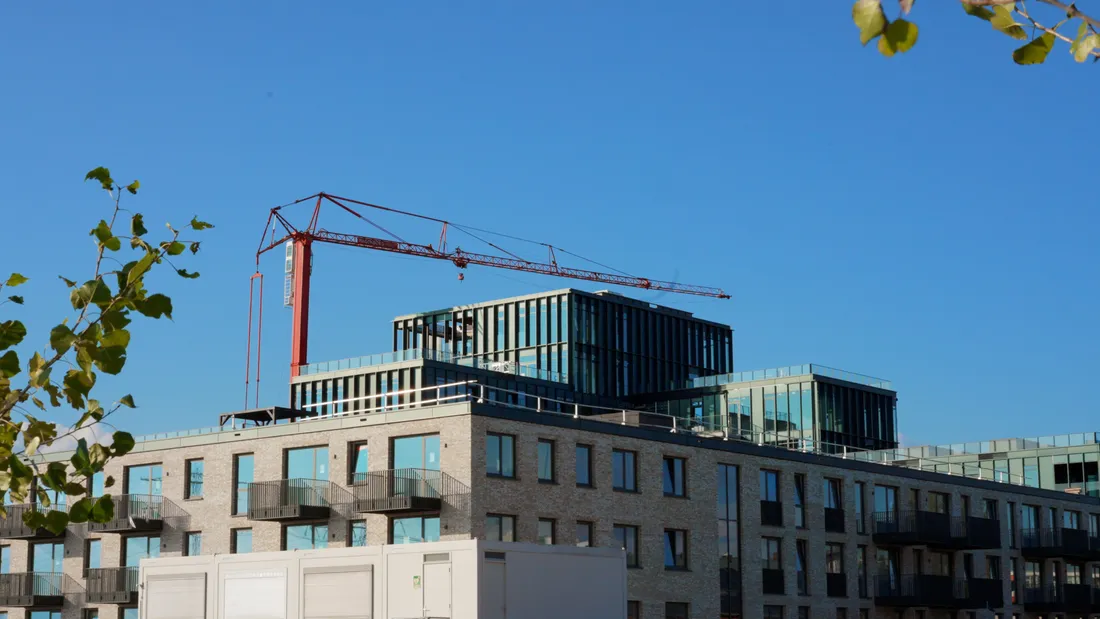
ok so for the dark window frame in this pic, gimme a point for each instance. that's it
(673, 537)
(553, 479)
(632, 558)
(353, 456)
(553, 531)
(500, 455)
(591, 483)
(630, 474)
(671, 461)
(189, 483)
(503, 518)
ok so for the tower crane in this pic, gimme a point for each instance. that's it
(298, 243)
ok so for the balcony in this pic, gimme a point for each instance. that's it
(1051, 543)
(984, 593)
(112, 585)
(836, 585)
(1081, 599)
(12, 526)
(974, 533)
(773, 582)
(294, 499)
(138, 513)
(932, 591)
(912, 528)
(771, 513)
(35, 590)
(834, 520)
(396, 491)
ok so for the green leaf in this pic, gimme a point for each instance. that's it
(93, 291)
(103, 175)
(81, 458)
(34, 519)
(869, 18)
(116, 338)
(123, 443)
(195, 247)
(76, 386)
(900, 36)
(56, 521)
(104, 509)
(108, 482)
(113, 320)
(187, 274)
(113, 243)
(133, 187)
(110, 360)
(15, 279)
(68, 282)
(199, 225)
(18, 300)
(9, 364)
(99, 455)
(1083, 49)
(173, 248)
(156, 306)
(55, 477)
(978, 11)
(127, 400)
(11, 333)
(5, 481)
(74, 489)
(39, 377)
(139, 269)
(1002, 20)
(39, 403)
(137, 225)
(1035, 52)
(81, 511)
(61, 338)
(102, 232)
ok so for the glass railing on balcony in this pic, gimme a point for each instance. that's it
(505, 367)
(804, 369)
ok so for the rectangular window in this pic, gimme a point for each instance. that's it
(1071, 519)
(584, 534)
(546, 531)
(359, 456)
(938, 503)
(584, 465)
(1010, 515)
(1073, 574)
(770, 556)
(992, 567)
(305, 536)
(500, 528)
(138, 548)
(803, 612)
(861, 523)
(547, 471)
(5, 559)
(241, 541)
(194, 472)
(989, 509)
(414, 529)
(48, 557)
(832, 491)
(97, 484)
(243, 471)
(500, 455)
(769, 485)
(89, 613)
(861, 571)
(674, 476)
(800, 501)
(624, 470)
(677, 610)
(633, 609)
(773, 612)
(93, 554)
(307, 463)
(144, 480)
(627, 538)
(192, 544)
(834, 558)
(801, 580)
(675, 549)
(357, 533)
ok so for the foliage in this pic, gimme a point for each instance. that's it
(63, 373)
(900, 35)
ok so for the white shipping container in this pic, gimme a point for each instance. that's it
(468, 579)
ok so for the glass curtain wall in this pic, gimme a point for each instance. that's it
(729, 542)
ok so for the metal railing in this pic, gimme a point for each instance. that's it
(406, 489)
(293, 498)
(13, 527)
(111, 585)
(139, 512)
(34, 589)
(427, 354)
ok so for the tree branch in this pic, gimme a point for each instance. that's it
(1070, 10)
(1023, 13)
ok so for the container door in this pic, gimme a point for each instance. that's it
(493, 601)
(437, 590)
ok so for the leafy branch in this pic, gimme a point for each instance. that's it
(96, 339)
(900, 35)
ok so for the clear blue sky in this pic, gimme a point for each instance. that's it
(929, 219)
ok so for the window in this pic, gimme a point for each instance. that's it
(1010, 515)
(861, 524)
(627, 538)
(499, 528)
(729, 541)
(861, 571)
(674, 476)
(414, 530)
(803, 612)
(93, 554)
(584, 465)
(800, 501)
(677, 610)
(192, 544)
(415, 452)
(89, 613)
(770, 556)
(992, 567)
(243, 470)
(939, 503)
(841, 613)
(307, 463)
(675, 549)
(624, 470)
(1094, 525)
(1074, 573)
(1071, 519)
(194, 472)
(584, 534)
(144, 480)
(241, 541)
(989, 509)
(546, 531)
(47, 557)
(97, 484)
(357, 533)
(633, 609)
(834, 558)
(138, 548)
(305, 536)
(1029, 520)
(800, 567)
(832, 494)
(359, 457)
(769, 485)
(500, 455)
(773, 612)
(547, 472)
(125, 613)
(5, 559)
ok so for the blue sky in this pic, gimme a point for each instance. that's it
(927, 219)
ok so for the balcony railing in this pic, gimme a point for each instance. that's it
(933, 591)
(136, 513)
(985, 593)
(12, 527)
(836, 585)
(974, 533)
(112, 585)
(1049, 542)
(834, 520)
(294, 499)
(44, 590)
(771, 513)
(773, 582)
(404, 490)
(912, 528)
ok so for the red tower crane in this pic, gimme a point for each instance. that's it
(299, 265)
